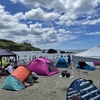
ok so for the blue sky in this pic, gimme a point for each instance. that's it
(57, 24)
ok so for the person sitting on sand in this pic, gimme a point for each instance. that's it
(31, 79)
(8, 69)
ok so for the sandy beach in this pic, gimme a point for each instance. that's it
(51, 88)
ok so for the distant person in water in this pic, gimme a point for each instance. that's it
(68, 60)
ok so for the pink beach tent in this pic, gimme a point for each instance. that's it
(97, 63)
(43, 66)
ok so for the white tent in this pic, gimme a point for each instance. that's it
(89, 55)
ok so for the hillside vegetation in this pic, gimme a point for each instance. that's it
(13, 46)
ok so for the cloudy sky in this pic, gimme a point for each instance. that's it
(57, 24)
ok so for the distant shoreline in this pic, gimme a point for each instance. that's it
(29, 55)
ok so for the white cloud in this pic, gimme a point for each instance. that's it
(39, 14)
(19, 16)
(95, 22)
(14, 1)
(65, 35)
(76, 42)
(72, 10)
(64, 5)
(7, 20)
(91, 22)
(67, 19)
(36, 34)
(93, 33)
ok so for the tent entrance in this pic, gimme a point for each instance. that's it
(51, 67)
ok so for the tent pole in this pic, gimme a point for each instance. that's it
(15, 60)
(0, 65)
(79, 71)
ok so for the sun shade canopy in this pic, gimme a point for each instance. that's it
(92, 55)
(4, 52)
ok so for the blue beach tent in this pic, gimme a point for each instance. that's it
(86, 66)
(62, 63)
(16, 79)
(82, 89)
(12, 83)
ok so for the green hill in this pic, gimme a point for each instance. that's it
(13, 46)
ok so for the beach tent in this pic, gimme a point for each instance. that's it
(62, 63)
(82, 89)
(43, 66)
(21, 62)
(15, 80)
(7, 53)
(90, 55)
(86, 66)
(97, 63)
(54, 60)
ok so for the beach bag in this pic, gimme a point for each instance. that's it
(65, 73)
(68, 74)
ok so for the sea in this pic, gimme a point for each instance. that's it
(29, 55)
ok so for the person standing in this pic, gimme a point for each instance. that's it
(68, 60)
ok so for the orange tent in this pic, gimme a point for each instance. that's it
(15, 80)
(21, 73)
